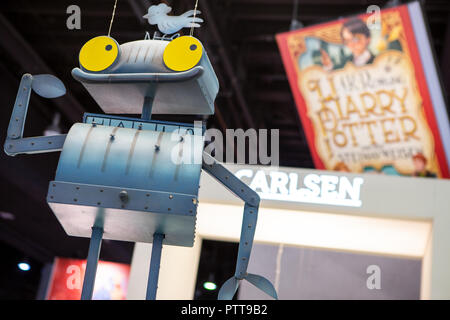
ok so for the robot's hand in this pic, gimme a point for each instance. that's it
(46, 86)
(230, 286)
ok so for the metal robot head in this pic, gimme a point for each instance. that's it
(177, 74)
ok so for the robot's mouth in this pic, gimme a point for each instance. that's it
(163, 77)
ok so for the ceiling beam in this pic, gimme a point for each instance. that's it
(23, 54)
(226, 61)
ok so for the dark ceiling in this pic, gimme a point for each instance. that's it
(239, 36)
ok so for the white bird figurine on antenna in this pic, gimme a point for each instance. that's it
(157, 14)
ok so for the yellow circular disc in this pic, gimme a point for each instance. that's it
(182, 53)
(99, 53)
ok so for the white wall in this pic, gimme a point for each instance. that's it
(406, 217)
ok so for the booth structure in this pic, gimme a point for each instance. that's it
(404, 217)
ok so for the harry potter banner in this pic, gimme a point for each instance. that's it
(363, 97)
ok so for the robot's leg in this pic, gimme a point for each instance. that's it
(92, 261)
(249, 220)
(155, 261)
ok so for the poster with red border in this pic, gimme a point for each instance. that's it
(66, 280)
(361, 91)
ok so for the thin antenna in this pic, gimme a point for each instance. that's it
(193, 19)
(295, 23)
(112, 18)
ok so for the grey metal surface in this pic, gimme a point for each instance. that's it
(140, 72)
(306, 273)
(34, 145)
(249, 220)
(153, 275)
(92, 262)
(135, 217)
(46, 86)
(113, 197)
(129, 158)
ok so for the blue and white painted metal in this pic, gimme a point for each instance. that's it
(116, 176)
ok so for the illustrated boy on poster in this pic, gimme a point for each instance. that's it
(356, 36)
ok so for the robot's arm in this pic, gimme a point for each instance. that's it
(251, 199)
(46, 86)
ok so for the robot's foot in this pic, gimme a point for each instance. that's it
(230, 286)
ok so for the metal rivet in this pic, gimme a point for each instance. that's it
(146, 208)
(49, 142)
(51, 197)
(111, 136)
(169, 209)
(10, 146)
(156, 147)
(246, 243)
(123, 195)
(54, 185)
(78, 188)
(194, 201)
(101, 190)
(249, 226)
(148, 194)
(170, 196)
(75, 199)
(99, 203)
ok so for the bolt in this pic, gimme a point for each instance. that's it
(123, 195)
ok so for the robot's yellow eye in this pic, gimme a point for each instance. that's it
(182, 53)
(99, 53)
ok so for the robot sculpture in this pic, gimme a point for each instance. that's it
(116, 177)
